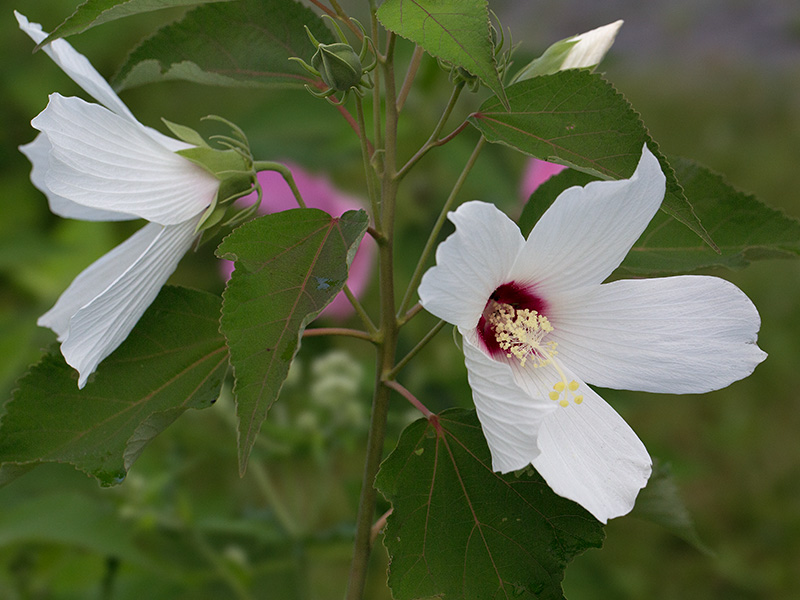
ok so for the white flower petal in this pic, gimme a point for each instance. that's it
(590, 455)
(97, 328)
(510, 417)
(470, 264)
(687, 334)
(101, 160)
(38, 152)
(93, 280)
(588, 230)
(589, 48)
(77, 66)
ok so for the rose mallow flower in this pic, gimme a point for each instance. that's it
(99, 163)
(538, 324)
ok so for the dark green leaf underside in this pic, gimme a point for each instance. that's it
(96, 12)
(174, 359)
(237, 44)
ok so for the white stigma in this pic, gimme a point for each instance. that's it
(521, 333)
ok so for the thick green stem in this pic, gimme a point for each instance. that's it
(426, 252)
(366, 159)
(387, 348)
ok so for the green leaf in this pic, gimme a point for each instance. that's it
(744, 228)
(96, 12)
(174, 359)
(238, 44)
(660, 503)
(543, 196)
(289, 266)
(577, 119)
(460, 531)
(454, 30)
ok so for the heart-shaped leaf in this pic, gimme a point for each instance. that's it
(458, 530)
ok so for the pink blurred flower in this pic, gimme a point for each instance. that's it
(536, 173)
(318, 192)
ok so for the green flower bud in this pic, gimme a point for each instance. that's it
(338, 66)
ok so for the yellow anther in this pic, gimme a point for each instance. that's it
(564, 403)
(521, 333)
(559, 387)
(573, 385)
(554, 395)
(578, 399)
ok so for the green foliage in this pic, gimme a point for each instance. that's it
(96, 12)
(454, 30)
(238, 44)
(174, 359)
(576, 118)
(744, 228)
(289, 266)
(461, 531)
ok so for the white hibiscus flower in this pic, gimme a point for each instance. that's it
(99, 163)
(538, 324)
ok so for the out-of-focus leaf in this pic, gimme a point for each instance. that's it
(576, 118)
(744, 228)
(174, 359)
(289, 266)
(660, 503)
(246, 43)
(73, 519)
(460, 531)
(454, 30)
(96, 12)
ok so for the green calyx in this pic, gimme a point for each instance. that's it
(231, 163)
(338, 66)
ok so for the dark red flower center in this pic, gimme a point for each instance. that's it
(518, 297)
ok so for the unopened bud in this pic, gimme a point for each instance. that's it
(338, 66)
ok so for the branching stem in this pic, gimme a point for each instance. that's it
(437, 227)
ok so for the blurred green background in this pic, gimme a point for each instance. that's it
(717, 81)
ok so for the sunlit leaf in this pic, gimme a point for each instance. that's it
(454, 30)
(576, 118)
(744, 228)
(246, 43)
(96, 12)
(289, 266)
(174, 359)
(460, 531)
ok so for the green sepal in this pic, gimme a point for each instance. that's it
(186, 134)
(548, 63)
(220, 163)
